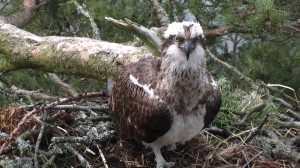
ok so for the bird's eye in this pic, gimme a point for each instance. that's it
(199, 38)
(178, 39)
(196, 39)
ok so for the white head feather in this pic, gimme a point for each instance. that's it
(177, 28)
(176, 60)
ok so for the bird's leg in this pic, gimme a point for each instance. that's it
(160, 161)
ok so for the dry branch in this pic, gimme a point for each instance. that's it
(149, 37)
(233, 69)
(77, 107)
(8, 139)
(293, 114)
(288, 124)
(83, 140)
(37, 95)
(50, 162)
(67, 88)
(227, 110)
(258, 129)
(283, 102)
(15, 131)
(224, 133)
(82, 160)
(102, 157)
(39, 139)
(250, 111)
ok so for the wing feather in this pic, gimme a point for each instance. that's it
(213, 105)
(137, 115)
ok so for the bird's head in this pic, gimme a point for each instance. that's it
(184, 42)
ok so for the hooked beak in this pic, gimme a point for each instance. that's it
(187, 47)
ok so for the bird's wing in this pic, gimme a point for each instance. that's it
(213, 103)
(135, 112)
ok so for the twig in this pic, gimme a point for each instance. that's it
(270, 134)
(284, 117)
(242, 76)
(227, 110)
(250, 111)
(50, 161)
(254, 157)
(47, 107)
(99, 118)
(76, 107)
(67, 88)
(294, 141)
(102, 157)
(283, 102)
(224, 133)
(246, 159)
(147, 36)
(288, 124)
(254, 133)
(15, 131)
(82, 160)
(293, 114)
(37, 95)
(39, 139)
(84, 139)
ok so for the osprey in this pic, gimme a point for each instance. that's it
(162, 101)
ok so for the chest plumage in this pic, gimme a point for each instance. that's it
(167, 100)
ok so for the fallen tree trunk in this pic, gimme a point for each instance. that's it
(86, 57)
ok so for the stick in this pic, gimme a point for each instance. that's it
(102, 157)
(76, 107)
(39, 139)
(37, 95)
(242, 76)
(82, 160)
(250, 111)
(254, 133)
(67, 88)
(47, 107)
(15, 131)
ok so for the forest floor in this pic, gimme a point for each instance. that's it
(81, 137)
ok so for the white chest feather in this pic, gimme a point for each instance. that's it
(183, 128)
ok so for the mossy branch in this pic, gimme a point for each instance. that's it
(68, 55)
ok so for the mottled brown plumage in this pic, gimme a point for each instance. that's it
(136, 115)
(167, 100)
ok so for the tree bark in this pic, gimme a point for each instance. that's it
(68, 55)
